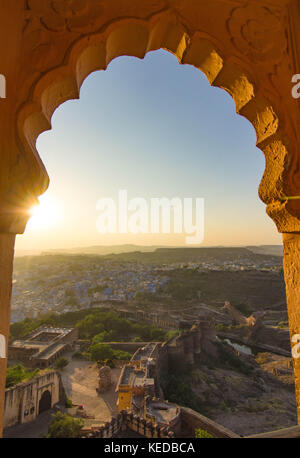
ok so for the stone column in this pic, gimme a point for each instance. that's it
(291, 264)
(6, 266)
(22, 175)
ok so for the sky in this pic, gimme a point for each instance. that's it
(154, 128)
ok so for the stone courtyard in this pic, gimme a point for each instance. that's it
(80, 379)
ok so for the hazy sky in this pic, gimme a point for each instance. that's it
(156, 129)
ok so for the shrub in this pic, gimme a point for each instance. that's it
(172, 333)
(177, 390)
(223, 405)
(228, 358)
(283, 324)
(262, 358)
(68, 403)
(61, 363)
(202, 434)
(244, 309)
(17, 374)
(123, 355)
(110, 363)
(137, 339)
(79, 355)
(63, 425)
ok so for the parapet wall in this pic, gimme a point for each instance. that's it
(192, 420)
(127, 420)
(189, 419)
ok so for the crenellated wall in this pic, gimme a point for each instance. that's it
(186, 348)
(127, 420)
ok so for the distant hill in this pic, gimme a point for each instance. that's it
(273, 250)
(182, 255)
(97, 249)
(179, 254)
(104, 250)
(21, 253)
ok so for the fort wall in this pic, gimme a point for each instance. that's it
(25, 401)
(185, 349)
(189, 421)
(192, 420)
(127, 420)
(157, 361)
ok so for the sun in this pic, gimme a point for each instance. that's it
(45, 215)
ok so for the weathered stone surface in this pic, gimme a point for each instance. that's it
(104, 379)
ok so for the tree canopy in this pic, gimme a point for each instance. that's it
(63, 425)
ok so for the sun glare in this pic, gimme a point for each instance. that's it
(45, 215)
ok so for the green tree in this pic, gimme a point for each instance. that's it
(123, 355)
(100, 352)
(173, 333)
(179, 391)
(101, 337)
(90, 326)
(22, 328)
(107, 336)
(137, 339)
(63, 425)
(61, 363)
(17, 374)
(157, 334)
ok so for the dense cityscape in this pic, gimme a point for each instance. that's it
(62, 283)
(201, 315)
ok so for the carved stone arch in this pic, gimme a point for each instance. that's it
(250, 48)
(136, 37)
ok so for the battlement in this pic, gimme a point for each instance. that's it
(127, 420)
(185, 348)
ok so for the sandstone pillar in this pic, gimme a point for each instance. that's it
(291, 263)
(22, 175)
(6, 266)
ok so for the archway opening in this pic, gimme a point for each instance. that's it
(108, 163)
(45, 402)
(120, 168)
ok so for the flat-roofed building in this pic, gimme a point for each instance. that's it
(43, 346)
(135, 380)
